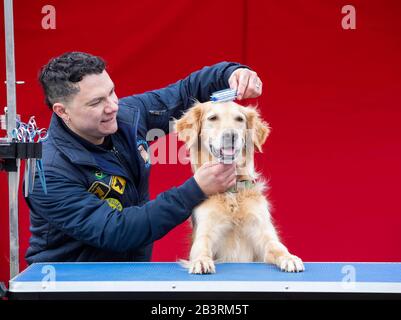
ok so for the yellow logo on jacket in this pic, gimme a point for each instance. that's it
(99, 189)
(118, 183)
(114, 203)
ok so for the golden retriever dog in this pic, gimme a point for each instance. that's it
(234, 226)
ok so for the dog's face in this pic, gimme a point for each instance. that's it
(225, 129)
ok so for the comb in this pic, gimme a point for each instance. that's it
(224, 95)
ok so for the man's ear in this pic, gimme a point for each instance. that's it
(189, 125)
(61, 110)
(259, 129)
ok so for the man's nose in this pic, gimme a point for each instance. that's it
(112, 106)
(230, 136)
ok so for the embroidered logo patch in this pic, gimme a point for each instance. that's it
(115, 204)
(118, 184)
(99, 174)
(99, 189)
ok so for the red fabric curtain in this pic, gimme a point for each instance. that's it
(332, 97)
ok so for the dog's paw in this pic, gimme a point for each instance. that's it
(290, 263)
(201, 266)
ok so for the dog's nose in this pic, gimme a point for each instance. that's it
(230, 136)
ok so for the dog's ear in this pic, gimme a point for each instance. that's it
(259, 129)
(189, 125)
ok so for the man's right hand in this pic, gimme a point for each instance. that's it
(214, 177)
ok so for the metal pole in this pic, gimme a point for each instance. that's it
(13, 177)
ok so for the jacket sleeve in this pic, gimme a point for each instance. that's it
(159, 106)
(73, 210)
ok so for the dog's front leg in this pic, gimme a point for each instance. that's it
(206, 233)
(201, 256)
(269, 247)
(277, 253)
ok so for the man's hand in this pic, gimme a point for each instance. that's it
(215, 177)
(247, 83)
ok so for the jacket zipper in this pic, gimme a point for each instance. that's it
(116, 153)
(120, 159)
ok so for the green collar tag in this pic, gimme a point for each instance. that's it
(243, 184)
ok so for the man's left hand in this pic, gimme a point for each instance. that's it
(247, 83)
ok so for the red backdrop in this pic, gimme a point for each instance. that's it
(332, 97)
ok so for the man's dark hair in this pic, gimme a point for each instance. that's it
(59, 77)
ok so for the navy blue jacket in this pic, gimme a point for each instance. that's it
(97, 207)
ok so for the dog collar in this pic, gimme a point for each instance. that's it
(241, 185)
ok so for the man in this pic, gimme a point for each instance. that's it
(97, 204)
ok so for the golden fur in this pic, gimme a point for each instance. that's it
(231, 226)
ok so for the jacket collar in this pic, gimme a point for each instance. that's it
(71, 147)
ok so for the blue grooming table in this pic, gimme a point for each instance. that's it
(231, 280)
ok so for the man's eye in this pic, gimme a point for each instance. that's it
(93, 104)
(212, 118)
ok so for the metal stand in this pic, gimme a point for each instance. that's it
(13, 176)
(3, 291)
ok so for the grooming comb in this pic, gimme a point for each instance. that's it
(224, 95)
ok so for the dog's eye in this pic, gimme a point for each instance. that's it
(239, 119)
(212, 118)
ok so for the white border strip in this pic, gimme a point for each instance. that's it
(206, 286)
